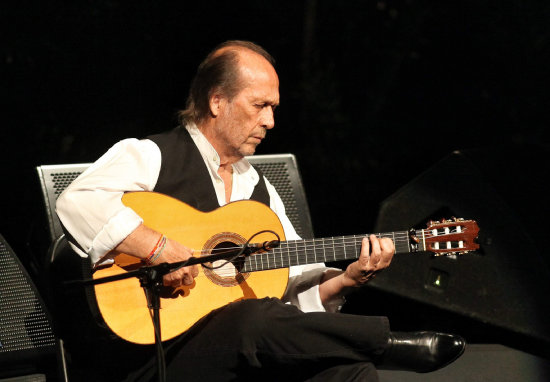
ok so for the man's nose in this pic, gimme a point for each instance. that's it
(268, 118)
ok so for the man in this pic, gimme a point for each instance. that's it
(229, 111)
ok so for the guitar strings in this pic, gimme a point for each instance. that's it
(315, 244)
(399, 236)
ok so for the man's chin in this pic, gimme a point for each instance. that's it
(247, 150)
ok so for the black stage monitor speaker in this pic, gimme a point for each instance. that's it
(506, 284)
(27, 342)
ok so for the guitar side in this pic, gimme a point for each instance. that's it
(123, 305)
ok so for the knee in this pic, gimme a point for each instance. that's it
(257, 316)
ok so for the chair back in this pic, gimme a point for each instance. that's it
(53, 180)
(280, 169)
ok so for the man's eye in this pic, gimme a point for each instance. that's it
(261, 106)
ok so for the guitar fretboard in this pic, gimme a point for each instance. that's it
(309, 251)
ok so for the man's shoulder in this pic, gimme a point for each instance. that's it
(169, 135)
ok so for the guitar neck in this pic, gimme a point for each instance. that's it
(339, 248)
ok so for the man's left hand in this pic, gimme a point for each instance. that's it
(375, 256)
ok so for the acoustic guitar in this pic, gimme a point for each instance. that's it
(123, 303)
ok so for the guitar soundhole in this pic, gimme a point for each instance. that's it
(222, 272)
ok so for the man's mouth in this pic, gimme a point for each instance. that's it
(259, 138)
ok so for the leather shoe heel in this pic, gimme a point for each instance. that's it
(421, 351)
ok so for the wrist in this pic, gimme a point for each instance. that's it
(348, 282)
(157, 250)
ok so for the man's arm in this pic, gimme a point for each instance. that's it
(92, 211)
(316, 287)
(141, 244)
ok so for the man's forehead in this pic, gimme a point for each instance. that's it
(257, 76)
(255, 70)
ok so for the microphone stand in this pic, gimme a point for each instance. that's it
(151, 277)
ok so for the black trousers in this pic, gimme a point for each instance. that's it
(268, 340)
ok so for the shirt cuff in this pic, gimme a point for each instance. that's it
(303, 291)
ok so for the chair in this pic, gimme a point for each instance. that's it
(29, 347)
(280, 169)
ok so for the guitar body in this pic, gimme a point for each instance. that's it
(123, 304)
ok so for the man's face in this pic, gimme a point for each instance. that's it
(243, 121)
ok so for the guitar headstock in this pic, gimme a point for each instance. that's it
(451, 237)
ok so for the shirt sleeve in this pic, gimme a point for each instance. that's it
(303, 284)
(130, 165)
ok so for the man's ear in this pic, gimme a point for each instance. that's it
(216, 104)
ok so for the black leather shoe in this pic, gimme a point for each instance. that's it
(421, 351)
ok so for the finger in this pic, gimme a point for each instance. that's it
(388, 250)
(187, 278)
(364, 256)
(172, 281)
(194, 271)
(376, 252)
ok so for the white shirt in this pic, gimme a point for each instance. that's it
(92, 211)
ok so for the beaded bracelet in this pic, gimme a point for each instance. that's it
(157, 250)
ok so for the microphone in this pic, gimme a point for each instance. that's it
(248, 250)
(265, 246)
(269, 245)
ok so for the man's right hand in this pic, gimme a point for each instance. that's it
(172, 253)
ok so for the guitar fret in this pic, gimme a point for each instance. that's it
(288, 254)
(315, 253)
(345, 246)
(262, 261)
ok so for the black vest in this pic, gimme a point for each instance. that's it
(184, 175)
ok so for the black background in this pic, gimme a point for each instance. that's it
(372, 92)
